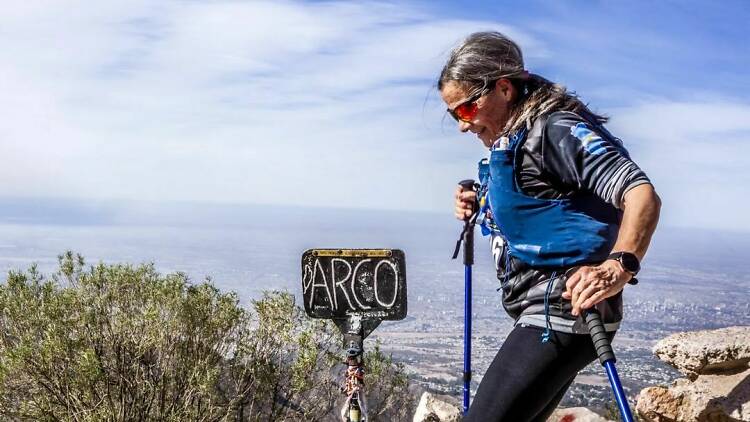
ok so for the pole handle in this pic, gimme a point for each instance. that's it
(599, 336)
(469, 185)
(607, 358)
(467, 236)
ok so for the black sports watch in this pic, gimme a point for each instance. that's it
(628, 261)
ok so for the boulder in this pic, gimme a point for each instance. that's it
(575, 414)
(706, 352)
(434, 408)
(718, 397)
(717, 387)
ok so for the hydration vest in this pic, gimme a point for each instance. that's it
(543, 233)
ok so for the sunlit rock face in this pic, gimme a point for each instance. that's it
(706, 352)
(576, 414)
(717, 387)
(434, 408)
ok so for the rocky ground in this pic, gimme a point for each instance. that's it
(716, 386)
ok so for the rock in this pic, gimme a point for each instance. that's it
(717, 387)
(432, 408)
(575, 414)
(706, 352)
(720, 397)
(658, 404)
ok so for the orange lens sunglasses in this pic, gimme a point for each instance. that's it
(467, 110)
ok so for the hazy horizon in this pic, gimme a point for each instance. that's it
(57, 210)
(426, 231)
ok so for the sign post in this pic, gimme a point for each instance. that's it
(357, 289)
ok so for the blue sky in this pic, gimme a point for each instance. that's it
(333, 104)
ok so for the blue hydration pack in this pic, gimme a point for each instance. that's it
(543, 233)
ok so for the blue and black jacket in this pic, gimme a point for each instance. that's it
(551, 199)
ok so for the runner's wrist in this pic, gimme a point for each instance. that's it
(628, 261)
(622, 275)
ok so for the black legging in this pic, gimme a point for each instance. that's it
(528, 378)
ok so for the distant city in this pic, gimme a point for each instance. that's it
(692, 279)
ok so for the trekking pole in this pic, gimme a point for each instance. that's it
(607, 358)
(467, 237)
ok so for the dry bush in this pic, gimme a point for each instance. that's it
(125, 343)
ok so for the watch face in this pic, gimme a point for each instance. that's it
(630, 262)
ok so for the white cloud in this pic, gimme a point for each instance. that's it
(697, 156)
(281, 102)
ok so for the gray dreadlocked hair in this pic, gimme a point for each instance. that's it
(485, 57)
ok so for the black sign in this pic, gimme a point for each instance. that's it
(339, 283)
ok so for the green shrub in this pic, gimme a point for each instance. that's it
(387, 388)
(123, 342)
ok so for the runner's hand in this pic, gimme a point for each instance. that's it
(591, 284)
(465, 200)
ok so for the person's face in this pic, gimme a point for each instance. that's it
(493, 108)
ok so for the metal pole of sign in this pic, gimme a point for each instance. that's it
(468, 240)
(607, 359)
(355, 406)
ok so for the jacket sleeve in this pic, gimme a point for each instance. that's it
(579, 156)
